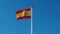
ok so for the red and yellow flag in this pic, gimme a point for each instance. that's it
(21, 14)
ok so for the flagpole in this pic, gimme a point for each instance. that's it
(31, 22)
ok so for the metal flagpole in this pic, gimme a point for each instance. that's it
(31, 22)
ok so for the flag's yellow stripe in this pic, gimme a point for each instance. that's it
(20, 14)
(28, 13)
(23, 13)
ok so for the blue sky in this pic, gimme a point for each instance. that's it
(46, 17)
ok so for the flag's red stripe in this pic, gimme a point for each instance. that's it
(28, 9)
(20, 18)
(20, 11)
(27, 16)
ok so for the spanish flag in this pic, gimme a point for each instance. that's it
(21, 14)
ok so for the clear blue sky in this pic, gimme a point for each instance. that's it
(46, 17)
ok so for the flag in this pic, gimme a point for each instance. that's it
(21, 14)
